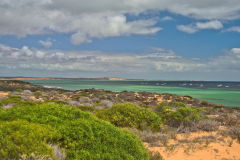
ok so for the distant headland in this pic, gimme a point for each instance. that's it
(56, 78)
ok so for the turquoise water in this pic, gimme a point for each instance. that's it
(227, 96)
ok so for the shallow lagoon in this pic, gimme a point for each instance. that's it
(227, 93)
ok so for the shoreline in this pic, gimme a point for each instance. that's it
(204, 94)
(153, 94)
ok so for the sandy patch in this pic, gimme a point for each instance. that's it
(185, 148)
(161, 99)
(3, 93)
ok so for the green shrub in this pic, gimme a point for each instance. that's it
(182, 115)
(38, 93)
(86, 108)
(205, 103)
(236, 108)
(165, 112)
(173, 104)
(21, 137)
(130, 115)
(82, 135)
(84, 94)
(56, 102)
(19, 90)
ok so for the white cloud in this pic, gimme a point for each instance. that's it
(187, 28)
(112, 26)
(27, 51)
(47, 43)
(233, 29)
(86, 20)
(235, 50)
(40, 54)
(156, 63)
(166, 18)
(209, 25)
(192, 28)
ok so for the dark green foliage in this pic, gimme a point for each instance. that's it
(218, 107)
(82, 136)
(188, 96)
(87, 108)
(204, 103)
(172, 104)
(21, 137)
(185, 115)
(19, 90)
(130, 115)
(179, 115)
(85, 94)
(236, 108)
(38, 93)
(56, 102)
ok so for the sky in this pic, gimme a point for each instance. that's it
(136, 39)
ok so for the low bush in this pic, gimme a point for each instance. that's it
(19, 90)
(173, 104)
(87, 108)
(204, 103)
(130, 115)
(19, 138)
(208, 125)
(82, 136)
(179, 115)
(233, 132)
(229, 119)
(155, 156)
(235, 108)
(38, 94)
(218, 107)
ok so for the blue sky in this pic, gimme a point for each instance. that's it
(157, 39)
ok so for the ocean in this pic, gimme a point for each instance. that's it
(227, 93)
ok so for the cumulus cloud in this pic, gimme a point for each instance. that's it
(192, 28)
(112, 26)
(157, 62)
(86, 20)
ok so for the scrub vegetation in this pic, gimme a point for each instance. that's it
(130, 115)
(32, 128)
(90, 124)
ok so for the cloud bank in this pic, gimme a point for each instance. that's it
(159, 62)
(86, 20)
